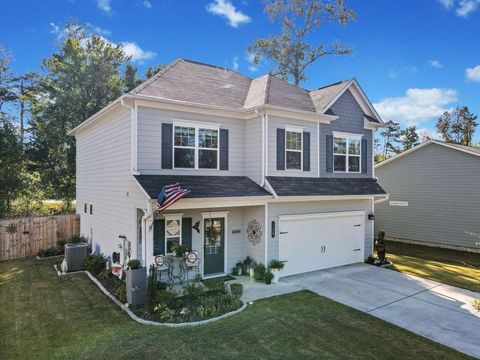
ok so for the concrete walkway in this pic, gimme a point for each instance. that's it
(434, 310)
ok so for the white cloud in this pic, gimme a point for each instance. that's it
(147, 4)
(426, 133)
(252, 67)
(105, 5)
(462, 8)
(473, 74)
(436, 64)
(395, 73)
(97, 29)
(417, 106)
(235, 64)
(55, 28)
(136, 52)
(226, 9)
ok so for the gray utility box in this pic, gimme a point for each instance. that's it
(136, 281)
(74, 256)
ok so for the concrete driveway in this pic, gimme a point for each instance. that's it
(439, 312)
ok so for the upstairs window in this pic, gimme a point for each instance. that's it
(293, 149)
(346, 153)
(195, 147)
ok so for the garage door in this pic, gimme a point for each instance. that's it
(311, 242)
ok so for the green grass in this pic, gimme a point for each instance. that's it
(452, 267)
(43, 316)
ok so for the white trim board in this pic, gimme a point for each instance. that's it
(426, 143)
(323, 215)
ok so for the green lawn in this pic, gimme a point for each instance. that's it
(46, 317)
(457, 268)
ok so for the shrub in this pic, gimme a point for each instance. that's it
(134, 264)
(276, 264)
(95, 264)
(150, 296)
(193, 292)
(166, 314)
(121, 293)
(51, 251)
(259, 272)
(476, 305)
(237, 289)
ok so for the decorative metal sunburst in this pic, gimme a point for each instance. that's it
(11, 228)
(254, 232)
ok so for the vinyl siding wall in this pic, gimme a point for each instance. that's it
(275, 123)
(150, 142)
(441, 186)
(104, 179)
(253, 149)
(293, 208)
(351, 121)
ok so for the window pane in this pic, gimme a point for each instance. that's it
(339, 163)
(184, 158)
(207, 159)
(294, 140)
(293, 160)
(173, 227)
(354, 147)
(208, 138)
(339, 146)
(184, 136)
(354, 163)
(171, 242)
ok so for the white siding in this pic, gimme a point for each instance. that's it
(150, 142)
(256, 252)
(273, 124)
(253, 149)
(293, 208)
(104, 179)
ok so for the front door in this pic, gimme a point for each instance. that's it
(214, 246)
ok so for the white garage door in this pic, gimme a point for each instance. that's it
(311, 242)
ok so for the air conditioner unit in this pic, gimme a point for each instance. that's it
(74, 256)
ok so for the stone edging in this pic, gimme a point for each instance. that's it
(139, 320)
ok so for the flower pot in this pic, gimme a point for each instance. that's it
(136, 283)
(276, 275)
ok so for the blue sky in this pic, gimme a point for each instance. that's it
(413, 58)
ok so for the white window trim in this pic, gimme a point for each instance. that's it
(197, 126)
(176, 216)
(296, 129)
(347, 137)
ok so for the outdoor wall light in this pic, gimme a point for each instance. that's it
(371, 216)
(273, 229)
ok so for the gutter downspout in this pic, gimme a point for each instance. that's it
(262, 181)
(147, 215)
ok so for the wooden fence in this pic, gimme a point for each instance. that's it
(23, 237)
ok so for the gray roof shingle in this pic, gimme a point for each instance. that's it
(303, 186)
(204, 84)
(203, 186)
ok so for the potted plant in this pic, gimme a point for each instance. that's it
(239, 268)
(276, 266)
(268, 277)
(259, 272)
(247, 265)
(237, 289)
(179, 250)
(136, 277)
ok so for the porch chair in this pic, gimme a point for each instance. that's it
(161, 263)
(192, 263)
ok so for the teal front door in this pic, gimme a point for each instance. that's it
(214, 246)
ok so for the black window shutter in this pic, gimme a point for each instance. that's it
(306, 151)
(329, 153)
(187, 232)
(223, 149)
(167, 138)
(159, 237)
(280, 149)
(364, 156)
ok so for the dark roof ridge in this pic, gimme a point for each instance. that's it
(332, 84)
(215, 67)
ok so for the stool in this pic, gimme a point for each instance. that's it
(192, 263)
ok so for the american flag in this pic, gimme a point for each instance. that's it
(169, 195)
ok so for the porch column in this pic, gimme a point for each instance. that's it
(148, 241)
(266, 235)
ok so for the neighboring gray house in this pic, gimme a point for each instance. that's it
(278, 171)
(434, 192)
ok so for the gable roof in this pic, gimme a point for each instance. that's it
(195, 82)
(466, 149)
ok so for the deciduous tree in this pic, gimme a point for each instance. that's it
(457, 126)
(292, 50)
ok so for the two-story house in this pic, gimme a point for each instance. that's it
(275, 171)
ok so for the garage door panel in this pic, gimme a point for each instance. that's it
(314, 243)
